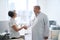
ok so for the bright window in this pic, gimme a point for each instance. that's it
(24, 9)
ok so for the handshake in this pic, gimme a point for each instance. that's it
(25, 27)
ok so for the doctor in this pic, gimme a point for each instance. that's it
(40, 28)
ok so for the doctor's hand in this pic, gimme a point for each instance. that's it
(45, 38)
(25, 27)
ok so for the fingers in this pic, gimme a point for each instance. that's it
(25, 27)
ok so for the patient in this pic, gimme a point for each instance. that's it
(13, 26)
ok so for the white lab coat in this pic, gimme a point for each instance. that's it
(40, 28)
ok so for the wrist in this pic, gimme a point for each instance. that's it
(22, 27)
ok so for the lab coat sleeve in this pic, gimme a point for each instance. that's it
(46, 26)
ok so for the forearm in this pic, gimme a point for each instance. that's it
(46, 32)
(20, 28)
(25, 27)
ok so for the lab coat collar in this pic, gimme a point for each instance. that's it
(38, 14)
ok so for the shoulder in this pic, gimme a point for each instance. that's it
(12, 21)
(43, 14)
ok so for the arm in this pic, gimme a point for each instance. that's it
(14, 26)
(16, 29)
(46, 27)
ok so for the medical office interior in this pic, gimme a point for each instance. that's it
(25, 15)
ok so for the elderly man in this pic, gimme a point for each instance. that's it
(40, 27)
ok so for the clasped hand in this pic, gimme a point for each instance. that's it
(25, 27)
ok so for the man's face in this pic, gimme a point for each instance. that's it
(36, 10)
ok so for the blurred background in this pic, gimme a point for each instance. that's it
(25, 14)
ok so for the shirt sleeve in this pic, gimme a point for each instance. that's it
(46, 26)
(13, 22)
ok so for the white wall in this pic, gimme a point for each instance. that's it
(4, 26)
(3, 15)
(51, 8)
(3, 10)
